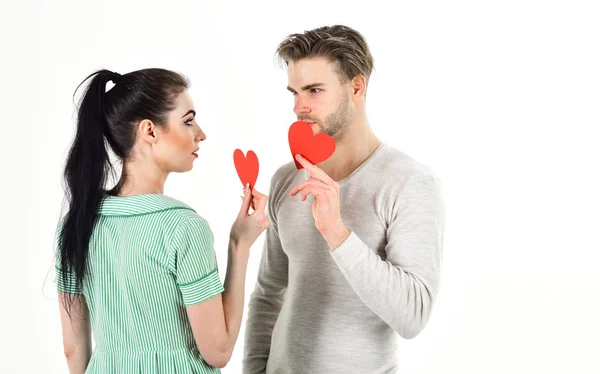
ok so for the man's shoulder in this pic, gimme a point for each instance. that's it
(285, 172)
(395, 162)
(283, 178)
(282, 181)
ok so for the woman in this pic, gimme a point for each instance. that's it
(134, 266)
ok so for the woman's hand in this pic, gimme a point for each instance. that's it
(248, 226)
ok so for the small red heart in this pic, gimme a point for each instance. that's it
(314, 148)
(246, 167)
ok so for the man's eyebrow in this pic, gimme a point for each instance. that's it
(307, 87)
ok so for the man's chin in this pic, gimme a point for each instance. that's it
(315, 128)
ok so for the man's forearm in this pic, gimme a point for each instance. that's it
(401, 299)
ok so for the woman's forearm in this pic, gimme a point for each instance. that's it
(78, 357)
(233, 296)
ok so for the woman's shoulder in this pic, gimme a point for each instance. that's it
(156, 209)
(180, 214)
(139, 205)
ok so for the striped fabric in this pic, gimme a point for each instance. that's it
(149, 257)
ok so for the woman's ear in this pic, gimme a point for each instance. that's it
(147, 131)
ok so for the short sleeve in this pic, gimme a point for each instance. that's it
(196, 270)
(66, 284)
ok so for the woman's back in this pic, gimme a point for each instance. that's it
(149, 257)
(140, 270)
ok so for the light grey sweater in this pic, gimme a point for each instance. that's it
(317, 311)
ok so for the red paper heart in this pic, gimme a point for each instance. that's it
(314, 148)
(246, 167)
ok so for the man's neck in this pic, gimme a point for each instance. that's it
(357, 145)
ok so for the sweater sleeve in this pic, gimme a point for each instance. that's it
(401, 289)
(267, 299)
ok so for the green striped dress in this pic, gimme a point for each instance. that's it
(150, 256)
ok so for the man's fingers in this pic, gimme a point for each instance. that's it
(309, 182)
(316, 190)
(314, 170)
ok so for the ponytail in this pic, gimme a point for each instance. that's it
(85, 175)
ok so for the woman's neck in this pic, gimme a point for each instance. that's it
(141, 180)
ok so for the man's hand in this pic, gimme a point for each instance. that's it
(326, 204)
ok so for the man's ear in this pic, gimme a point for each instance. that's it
(359, 87)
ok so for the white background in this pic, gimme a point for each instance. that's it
(500, 98)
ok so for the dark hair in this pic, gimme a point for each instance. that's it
(340, 44)
(106, 117)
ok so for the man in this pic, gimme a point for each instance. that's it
(353, 251)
